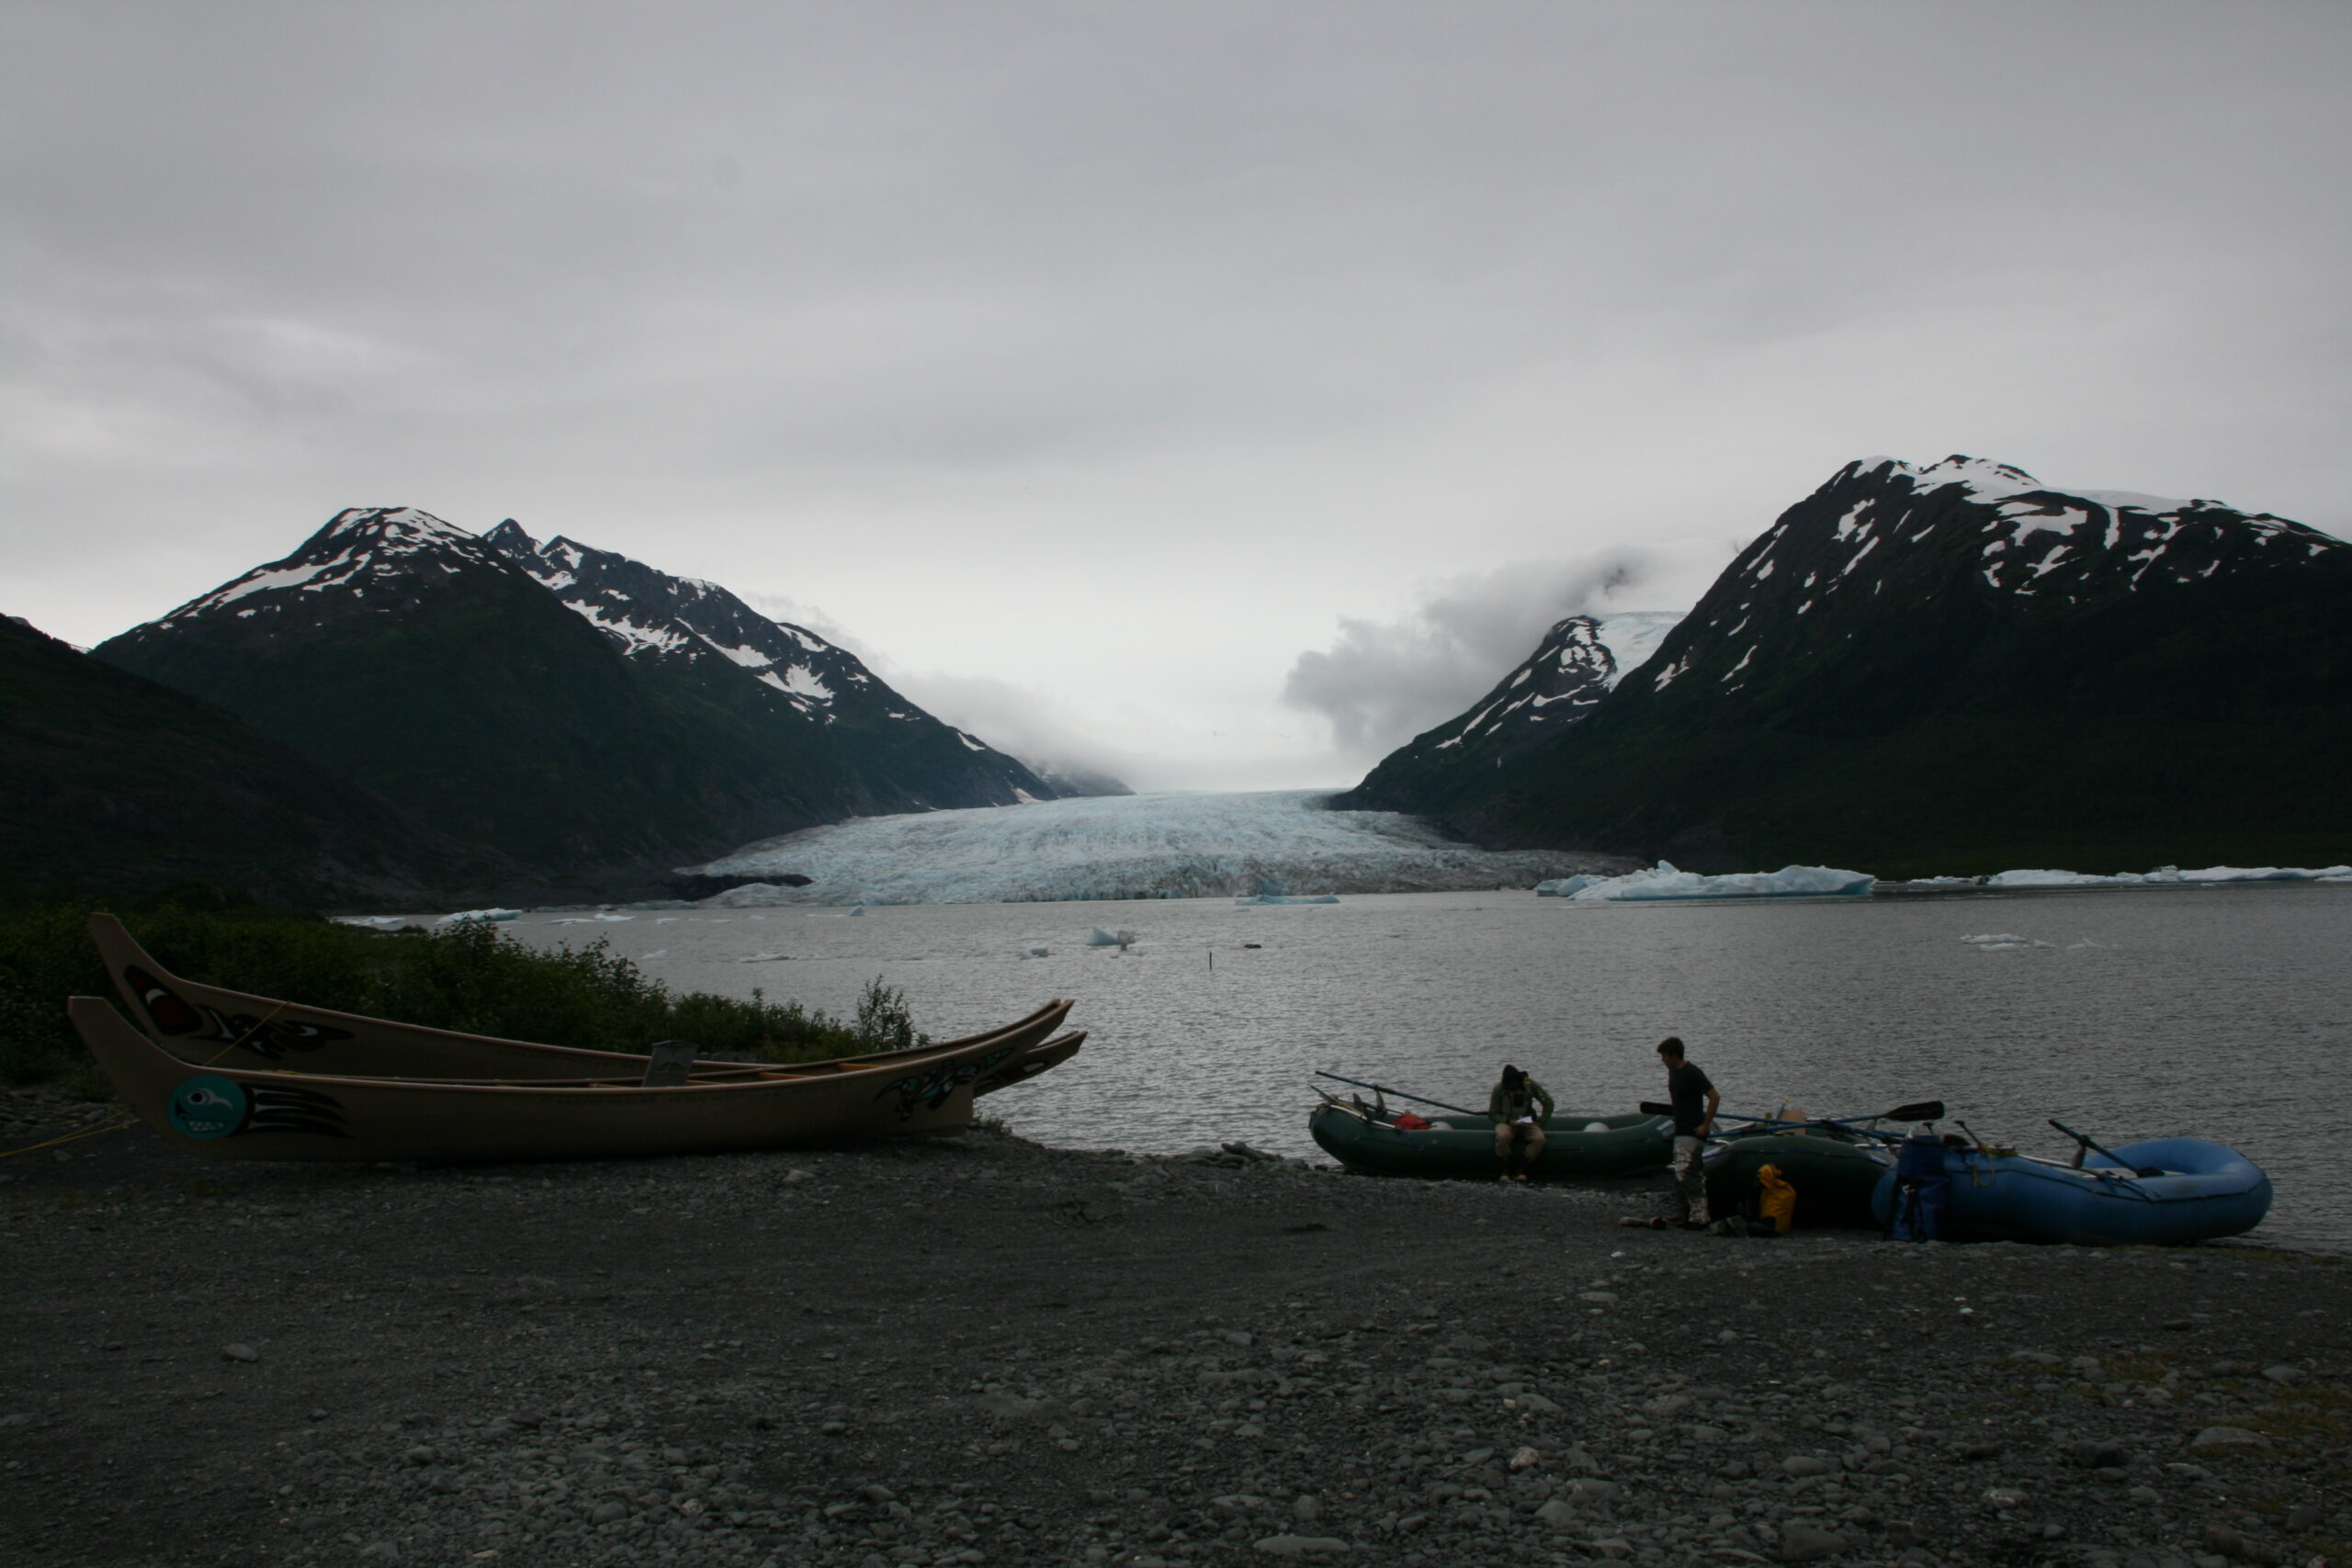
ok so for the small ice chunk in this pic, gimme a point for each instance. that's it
(464, 915)
(2062, 879)
(1288, 898)
(657, 953)
(1098, 937)
(1039, 950)
(1565, 887)
(374, 922)
(762, 957)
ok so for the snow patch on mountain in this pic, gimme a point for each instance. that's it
(359, 547)
(1153, 846)
(1579, 660)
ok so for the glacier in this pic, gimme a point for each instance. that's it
(1271, 842)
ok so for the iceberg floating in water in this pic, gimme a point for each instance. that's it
(2005, 942)
(1098, 937)
(1565, 887)
(1288, 898)
(2168, 875)
(464, 915)
(1663, 881)
(373, 922)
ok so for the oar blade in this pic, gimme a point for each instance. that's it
(1917, 1110)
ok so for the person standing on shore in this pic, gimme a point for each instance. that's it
(1694, 1100)
(1518, 1124)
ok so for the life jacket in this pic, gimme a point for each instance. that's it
(1409, 1122)
(1779, 1202)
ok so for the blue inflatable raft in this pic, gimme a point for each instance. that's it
(2201, 1191)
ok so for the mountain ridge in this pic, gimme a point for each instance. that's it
(1950, 666)
(404, 653)
(894, 756)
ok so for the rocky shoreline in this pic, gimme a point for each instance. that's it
(977, 1350)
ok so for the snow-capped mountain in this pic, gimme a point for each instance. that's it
(368, 560)
(415, 658)
(1889, 532)
(1577, 662)
(1955, 663)
(905, 759)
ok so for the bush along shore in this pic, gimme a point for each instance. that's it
(465, 976)
(976, 1350)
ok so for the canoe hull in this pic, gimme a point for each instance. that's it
(1464, 1145)
(236, 1112)
(1835, 1178)
(2209, 1191)
(211, 1025)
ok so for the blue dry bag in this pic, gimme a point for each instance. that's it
(1922, 1187)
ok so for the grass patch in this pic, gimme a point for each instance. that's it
(470, 977)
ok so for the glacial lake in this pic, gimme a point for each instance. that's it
(2222, 1013)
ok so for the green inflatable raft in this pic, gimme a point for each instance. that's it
(1834, 1170)
(1366, 1139)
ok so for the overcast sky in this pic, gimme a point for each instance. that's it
(1089, 364)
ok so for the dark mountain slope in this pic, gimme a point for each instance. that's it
(802, 708)
(110, 783)
(408, 655)
(1580, 660)
(1957, 669)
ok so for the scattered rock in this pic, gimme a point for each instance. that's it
(239, 1353)
(2227, 1440)
(2098, 1453)
(1804, 1543)
(1301, 1545)
(1809, 1465)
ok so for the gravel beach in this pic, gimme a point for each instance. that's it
(976, 1349)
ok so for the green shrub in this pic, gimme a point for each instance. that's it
(470, 977)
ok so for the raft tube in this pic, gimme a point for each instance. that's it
(2206, 1191)
(1464, 1145)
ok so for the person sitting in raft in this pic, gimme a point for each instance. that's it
(1518, 1124)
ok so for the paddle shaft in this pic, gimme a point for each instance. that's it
(1382, 1088)
(2097, 1147)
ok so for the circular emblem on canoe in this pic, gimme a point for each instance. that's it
(208, 1107)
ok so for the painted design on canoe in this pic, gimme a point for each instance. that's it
(269, 1038)
(209, 1106)
(929, 1090)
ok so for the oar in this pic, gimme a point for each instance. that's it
(2097, 1147)
(1384, 1089)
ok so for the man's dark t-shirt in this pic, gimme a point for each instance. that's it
(1687, 1087)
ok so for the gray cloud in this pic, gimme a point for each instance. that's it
(1380, 682)
(1111, 351)
(1028, 723)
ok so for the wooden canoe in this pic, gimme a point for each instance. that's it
(199, 1023)
(240, 1112)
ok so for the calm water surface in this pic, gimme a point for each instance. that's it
(2223, 1012)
